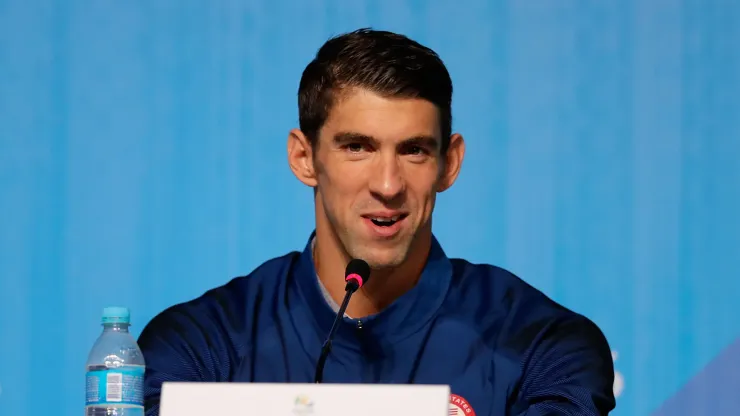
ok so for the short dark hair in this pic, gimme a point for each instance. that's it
(386, 63)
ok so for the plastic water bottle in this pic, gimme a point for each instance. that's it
(115, 369)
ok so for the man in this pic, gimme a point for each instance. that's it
(375, 144)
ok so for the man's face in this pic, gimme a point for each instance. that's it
(377, 169)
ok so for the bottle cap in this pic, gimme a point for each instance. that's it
(116, 315)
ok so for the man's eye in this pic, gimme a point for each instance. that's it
(416, 150)
(354, 147)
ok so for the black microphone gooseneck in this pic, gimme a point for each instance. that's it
(356, 275)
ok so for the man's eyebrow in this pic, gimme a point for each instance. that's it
(424, 141)
(344, 138)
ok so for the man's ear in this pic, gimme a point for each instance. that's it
(300, 157)
(452, 162)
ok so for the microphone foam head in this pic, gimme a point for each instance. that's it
(357, 270)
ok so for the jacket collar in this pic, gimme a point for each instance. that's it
(405, 316)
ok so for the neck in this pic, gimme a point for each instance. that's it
(386, 285)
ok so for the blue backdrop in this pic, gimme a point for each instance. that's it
(142, 161)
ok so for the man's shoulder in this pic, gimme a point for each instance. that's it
(525, 313)
(226, 302)
(500, 287)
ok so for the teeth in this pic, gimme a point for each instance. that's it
(386, 219)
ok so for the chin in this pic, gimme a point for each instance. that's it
(379, 254)
(379, 259)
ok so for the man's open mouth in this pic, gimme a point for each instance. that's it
(386, 221)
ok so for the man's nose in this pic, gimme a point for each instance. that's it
(387, 181)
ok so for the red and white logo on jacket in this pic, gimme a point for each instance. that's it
(460, 407)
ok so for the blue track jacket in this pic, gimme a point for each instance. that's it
(502, 346)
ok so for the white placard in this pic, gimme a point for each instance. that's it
(287, 399)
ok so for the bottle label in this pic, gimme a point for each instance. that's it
(116, 386)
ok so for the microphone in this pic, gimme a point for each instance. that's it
(356, 275)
